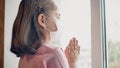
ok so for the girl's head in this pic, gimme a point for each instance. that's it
(33, 19)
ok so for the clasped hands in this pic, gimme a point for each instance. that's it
(72, 51)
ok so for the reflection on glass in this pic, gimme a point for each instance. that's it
(113, 32)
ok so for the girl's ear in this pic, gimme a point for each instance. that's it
(41, 20)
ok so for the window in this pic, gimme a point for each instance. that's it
(76, 22)
(112, 11)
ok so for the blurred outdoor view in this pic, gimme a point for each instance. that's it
(113, 32)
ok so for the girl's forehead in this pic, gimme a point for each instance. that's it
(57, 5)
(56, 11)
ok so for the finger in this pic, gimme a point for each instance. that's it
(67, 49)
(74, 43)
(79, 49)
(70, 42)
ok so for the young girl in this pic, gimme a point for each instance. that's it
(31, 37)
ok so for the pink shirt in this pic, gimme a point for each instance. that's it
(47, 56)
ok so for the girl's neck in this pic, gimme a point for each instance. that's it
(47, 37)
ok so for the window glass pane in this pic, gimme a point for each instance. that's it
(76, 22)
(113, 32)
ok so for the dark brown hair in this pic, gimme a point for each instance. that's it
(27, 35)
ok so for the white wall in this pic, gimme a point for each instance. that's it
(11, 7)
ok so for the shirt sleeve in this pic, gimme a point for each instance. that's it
(61, 57)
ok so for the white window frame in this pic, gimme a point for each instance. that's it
(98, 34)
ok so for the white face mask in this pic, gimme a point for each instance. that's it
(55, 36)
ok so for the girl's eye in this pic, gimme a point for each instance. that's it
(58, 16)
